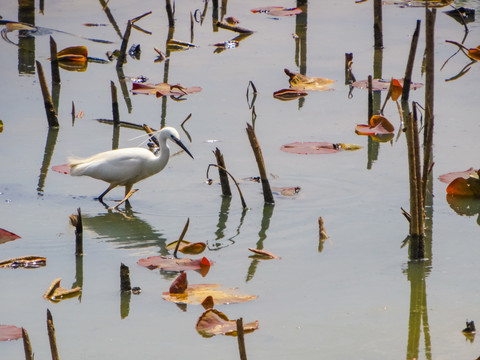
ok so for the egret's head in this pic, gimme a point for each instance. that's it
(172, 134)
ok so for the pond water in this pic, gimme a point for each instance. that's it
(356, 295)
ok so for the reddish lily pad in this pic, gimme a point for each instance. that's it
(10, 332)
(6, 236)
(307, 148)
(163, 89)
(448, 178)
(213, 322)
(62, 169)
(383, 85)
(276, 11)
(378, 125)
(170, 264)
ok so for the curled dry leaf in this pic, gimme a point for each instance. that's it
(27, 262)
(276, 11)
(187, 247)
(378, 125)
(10, 332)
(56, 293)
(6, 236)
(397, 89)
(474, 53)
(289, 94)
(232, 21)
(179, 285)
(263, 254)
(13, 26)
(208, 303)
(301, 82)
(213, 322)
(464, 187)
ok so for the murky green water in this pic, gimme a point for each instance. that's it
(358, 297)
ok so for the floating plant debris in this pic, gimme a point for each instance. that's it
(213, 322)
(276, 11)
(27, 262)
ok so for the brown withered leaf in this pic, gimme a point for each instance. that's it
(208, 303)
(301, 82)
(179, 285)
(27, 262)
(213, 322)
(56, 293)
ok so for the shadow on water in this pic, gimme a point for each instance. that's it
(26, 42)
(301, 21)
(262, 235)
(125, 230)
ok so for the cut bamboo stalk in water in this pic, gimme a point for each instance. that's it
(411, 58)
(241, 339)
(54, 61)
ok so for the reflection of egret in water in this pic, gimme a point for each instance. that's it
(125, 230)
(465, 205)
(219, 241)
(262, 234)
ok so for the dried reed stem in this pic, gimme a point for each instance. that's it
(411, 58)
(47, 98)
(226, 191)
(27, 346)
(267, 191)
(241, 340)
(54, 61)
(123, 49)
(51, 336)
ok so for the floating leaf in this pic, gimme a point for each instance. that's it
(383, 85)
(288, 94)
(263, 254)
(62, 169)
(187, 247)
(276, 11)
(378, 125)
(170, 264)
(232, 21)
(448, 178)
(307, 148)
(464, 187)
(6, 236)
(287, 190)
(13, 26)
(301, 82)
(163, 89)
(213, 322)
(10, 332)
(173, 44)
(195, 294)
(56, 293)
(227, 44)
(474, 53)
(28, 262)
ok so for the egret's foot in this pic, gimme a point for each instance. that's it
(130, 193)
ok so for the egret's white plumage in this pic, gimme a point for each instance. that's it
(125, 167)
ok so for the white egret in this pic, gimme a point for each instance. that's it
(125, 167)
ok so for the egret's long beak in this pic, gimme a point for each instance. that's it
(179, 143)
